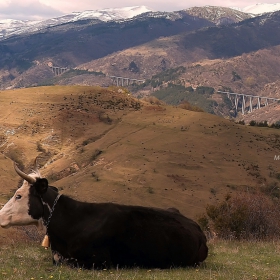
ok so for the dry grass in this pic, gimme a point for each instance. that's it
(181, 155)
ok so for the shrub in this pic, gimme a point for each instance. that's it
(263, 124)
(235, 76)
(95, 154)
(133, 67)
(152, 100)
(242, 122)
(272, 189)
(252, 123)
(204, 90)
(187, 106)
(275, 125)
(245, 216)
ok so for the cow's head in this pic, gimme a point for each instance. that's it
(26, 207)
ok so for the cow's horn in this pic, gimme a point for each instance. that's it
(29, 179)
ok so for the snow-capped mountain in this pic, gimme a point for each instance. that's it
(9, 27)
(260, 8)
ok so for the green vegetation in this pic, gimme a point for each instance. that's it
(235, 76)
(69, 74)
(176, 94)
(227, 260)
(225, 89)
(23, 65)
(75, 72)
(204, 90)
(171, 89)
(20, 64)
(227, 101)
(133, 67)
(265, 124)
(168, 75)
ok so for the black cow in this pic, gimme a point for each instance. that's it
(105, 234)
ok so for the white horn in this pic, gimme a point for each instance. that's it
(29, 179)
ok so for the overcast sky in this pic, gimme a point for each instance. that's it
(43, 9)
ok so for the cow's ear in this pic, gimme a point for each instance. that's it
(41, 185)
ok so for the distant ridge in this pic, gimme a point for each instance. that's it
(259, 8)
(10, 27)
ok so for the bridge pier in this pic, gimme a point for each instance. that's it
(251, 106)
(123, 80)
(235, 97)
(243, 104)
(236, 100)
(266, 102)
(58, 70)
(258, 103)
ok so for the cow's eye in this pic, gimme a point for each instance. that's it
(18, 196)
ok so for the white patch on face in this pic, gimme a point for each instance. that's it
(15, 211)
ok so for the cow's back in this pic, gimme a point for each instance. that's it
(120, 235)
(156, 238)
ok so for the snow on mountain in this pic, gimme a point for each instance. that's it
(260, 8)
(112, 14)
(9, 27)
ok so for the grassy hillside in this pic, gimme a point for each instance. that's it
(103, 145)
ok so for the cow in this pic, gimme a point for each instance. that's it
(103, 235)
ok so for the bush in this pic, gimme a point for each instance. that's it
(187, 106)
(246, 216)
(272, 189)
(152, 100)
(235, 76)
(204, 90)
(242, 122)
(275, 125)
(263, 124)
(252, 123)
(175, 94)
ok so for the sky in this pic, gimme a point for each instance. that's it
(44, 9)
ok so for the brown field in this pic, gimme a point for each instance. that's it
(97, 145)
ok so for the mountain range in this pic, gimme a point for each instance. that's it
(10, 27)
(219, 47)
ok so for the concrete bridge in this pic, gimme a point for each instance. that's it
(246, 102)
(58, 70)
(122, 81)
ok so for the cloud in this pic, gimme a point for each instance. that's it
(27, 9)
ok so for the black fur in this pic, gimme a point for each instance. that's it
(105, 234)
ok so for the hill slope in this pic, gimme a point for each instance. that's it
(103, 145)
